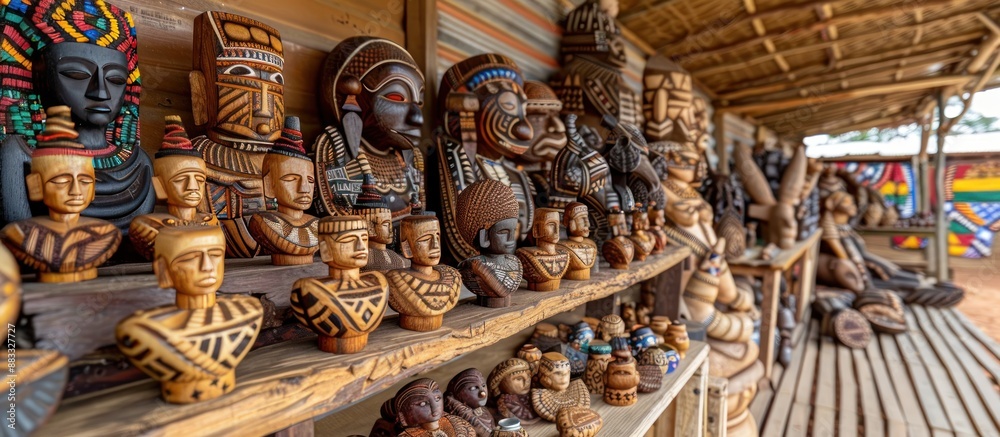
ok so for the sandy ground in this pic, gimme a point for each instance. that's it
(982, 295)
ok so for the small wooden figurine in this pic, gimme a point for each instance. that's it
(487, 220)
(657, 220)
(656, 357)
(650, 378)
(425, 291)
(647, 303)
(419, 409)
(466, 397)
(642, 339)
(642, 241)
(370, 205)
(532, 355)
(48, 46)
(578, 422)
(557, 391)
(288, 234)
(577, 360)
(509, 427)
(582, 250)
(620, 347)
(510, 390)
(618, 250)
(677, 337)
(612, 326)
(194, 346)
(178, 179)
(659, 324)
(345, 306)
(782, 225)
(621, 382)
(65, 246)
(581, 337)
(597, 364)
(545, 264)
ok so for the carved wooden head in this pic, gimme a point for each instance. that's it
(190, 259)
(617, 223)
(621, 374)
(486, 216)
(372, 207)
(591, 31)
(420, 239)
(178, 170)
(419, 404)
(576, 220)
(502, 128)
(391, 96)
(554, 371)
(288, 171)
(62, 174)
(10, 287)
(237, 83)
(667, 102)
(343, 242)
(543, 115)
(611, 326)
(545, 227)
(81, 54)
(469, 388)
(640, 220)
(511, 376)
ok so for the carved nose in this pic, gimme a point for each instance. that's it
(415, 117)
(522, 131)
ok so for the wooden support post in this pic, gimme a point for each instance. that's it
(422, 42)
(941, 220)
(669, 292)
(718, 409)
(721, 148)
(769, 318)
(689, 418)
(806, 284)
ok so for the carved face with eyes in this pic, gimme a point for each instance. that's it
(419, 403)
(546, 225)
(86, 77)
(64, 183)
(391, 103)
(500, 239)
(290, 181)
(240, 64)
(501, 124)
(190, 259)
(347, 247)
(180, 180)
(420, 238)
(469, 388)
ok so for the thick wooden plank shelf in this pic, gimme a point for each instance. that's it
(770, 271)
(284, 384)
(634, 420)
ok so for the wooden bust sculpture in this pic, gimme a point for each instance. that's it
(621, 382)
(178, 179)
(487, 219)
(543, 114)
(612, 326)
(582, 250)
(425, 291)
(63, 246)
(466, 397)
(657, 219)
(510, 390)
(482, 104)
(81, 54)
(371, 99)
(597, 364)
(288, 234)
(237, 90)
(642, 241)
(345, 306)
(619, 250)
(782, 225)
(545, 264)
(371, 205)
(419, 409)
(193, 346)
(38, 375)
(557, 391)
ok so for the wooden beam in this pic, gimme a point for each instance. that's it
(988, 46)
(777, 105)
(923, 170)
(760, 30)
(421, 41)
(874, 13)
(844, 64)
(940, 219)
(835, 109)
(721, 144)
(644, 9)
(859, 125)
(824, 12)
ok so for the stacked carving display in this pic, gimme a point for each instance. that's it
(674, 132)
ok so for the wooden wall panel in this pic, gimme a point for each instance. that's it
(309, 29)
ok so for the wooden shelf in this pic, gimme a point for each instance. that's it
(284, 384)
(634, 420)
(784, 259)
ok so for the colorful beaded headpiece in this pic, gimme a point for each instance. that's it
(59, 137)
(175, 139)
(290, 142)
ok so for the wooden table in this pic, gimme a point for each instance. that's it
(770, 271)
(930, 251)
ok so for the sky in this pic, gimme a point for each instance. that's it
(985, 102)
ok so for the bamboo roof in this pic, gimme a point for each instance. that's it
(804, 67)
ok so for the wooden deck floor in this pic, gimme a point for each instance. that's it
(939, 379)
